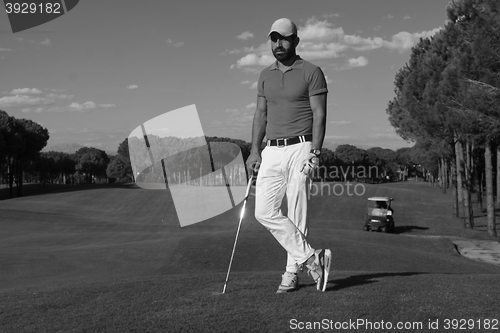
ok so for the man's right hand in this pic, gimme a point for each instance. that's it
(253, 162)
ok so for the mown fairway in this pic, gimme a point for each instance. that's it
(114, 259)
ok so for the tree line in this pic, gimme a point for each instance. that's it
(447, 101)
(21, 160)
(190, 161)
(21, 141)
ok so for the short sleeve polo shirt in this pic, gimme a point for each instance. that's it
(287, 94)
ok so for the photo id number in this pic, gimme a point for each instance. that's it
(33, 8)
(471, 324)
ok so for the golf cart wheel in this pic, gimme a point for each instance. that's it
(385, 229)
(365, 228)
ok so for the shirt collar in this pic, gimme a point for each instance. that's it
(298, 64)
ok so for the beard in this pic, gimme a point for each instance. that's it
(281, 54)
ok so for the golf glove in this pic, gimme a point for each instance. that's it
(310, 164)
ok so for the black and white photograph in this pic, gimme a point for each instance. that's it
(245, 166)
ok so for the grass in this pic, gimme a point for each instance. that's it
(114, 259)
(172, 304)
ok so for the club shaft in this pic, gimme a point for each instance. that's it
(237, 232)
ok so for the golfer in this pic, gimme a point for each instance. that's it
(291, 113)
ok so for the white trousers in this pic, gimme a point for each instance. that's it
(279, 174)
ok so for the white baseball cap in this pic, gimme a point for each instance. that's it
(285, 27)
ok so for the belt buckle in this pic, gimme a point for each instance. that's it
(278, 143)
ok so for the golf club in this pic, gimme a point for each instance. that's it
(238, 231)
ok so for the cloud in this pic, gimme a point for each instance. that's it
(363, 44)
(26, 91)
(24, 100)
(319, 30)
(88, 106)
(321, 40)
(251, 106)
(36, 110)
(133, 86)
(245, 35)
(37, 101)
(314, 51)
(407, 17)
(404, 41)
(253, 85)
(73, 107)
(234, 51)
(330, 15)
(46, 41)
(253, 59)
(25, 97)
(106, 106)
(255, 56)
(340, 123)
(61, 97)
(3, 49)
(358, 62)
(174, 43)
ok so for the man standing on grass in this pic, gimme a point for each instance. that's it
(291, 112)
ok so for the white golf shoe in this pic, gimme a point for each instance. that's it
(289, 283)
(319, 267)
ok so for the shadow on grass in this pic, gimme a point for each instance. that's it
(407, 228)
(358, 280)
(38, 189)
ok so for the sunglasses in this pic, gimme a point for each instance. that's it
(275, 37)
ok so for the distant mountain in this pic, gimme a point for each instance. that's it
(68, 148)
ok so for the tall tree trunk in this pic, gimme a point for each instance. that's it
(479, 174)
(450, 167)
(490, 205)
(459, 174)
(454, 187)
(11, 167)
(498, 175)
(469, 213)
(440, 172)
(19, 179)
(445, 174)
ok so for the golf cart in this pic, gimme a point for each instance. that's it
(379, 215)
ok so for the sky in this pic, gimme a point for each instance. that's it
(94, 74)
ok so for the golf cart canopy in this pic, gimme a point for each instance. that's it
(380, 199)
(378, 206)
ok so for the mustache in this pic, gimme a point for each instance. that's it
(279, 49)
